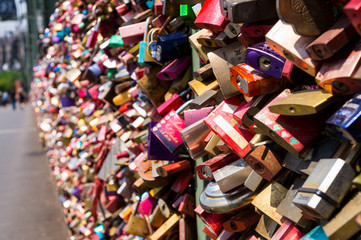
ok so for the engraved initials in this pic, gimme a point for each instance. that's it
(299, 7)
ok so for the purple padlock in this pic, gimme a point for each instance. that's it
(265, 59)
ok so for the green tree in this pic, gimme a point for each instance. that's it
(7, 80)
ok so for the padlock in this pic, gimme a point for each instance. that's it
(308, 18)
(221, 121)
(187, 205)
(174, 69)
(202, 51)
(294, 134)
(207, 40)
(287, 209)
(248, 11)
(252, 83)
(205, 170)
(264, 162)
(187, 14)
(214, 201)
(208, 98)
(115, 203)
(232, 175)
(199, 87)
(92, 38)
(315, 234)
(170, 8)
(173, 168)
(182, 182)
(203, 72)
(331, 41)
(222, 39)
(156, 219)
(153, 87)
(145, 171)
(232, 30)
(265, 59)
(254, 181)
(287, 231)
(210, 17)
(241, 110)
(317, 196)
(243, 220)
(304, 102)
(194, 115)
(167, 226)
(353, 11)
(167, 131)
(248, 41)
(193, 137)
(257, 29)
(222, 59)
(171, 46)
(343, 225)
(266, 227)
(137, 225)
(335, 75)
(268, 200)
(173, 103)
(187, 228)
(286, 47)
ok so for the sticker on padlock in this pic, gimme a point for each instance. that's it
(252, 83)
(266, 60)
(317, 196)
(308, 18)
(248, 11)
(286, 47)
(331, 41)
(335, 74)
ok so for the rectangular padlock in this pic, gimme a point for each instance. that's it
(316, 234)
(173, 168)
(353, 11)
(199, 87)
(171, 46)
(243, 220)
(174, 69)
(194, 115)
(137, 226)
(211, 220)
(251, 82)
(208, 98)
(321, 193)
(202, 51)
(222, 39)
(265, 59)
(268, 200)
(344, 225)
(232, 175)
(331, 41)
(346, 119)
(254, 181)
(335, 74)
(221, 121)
(203, 72)
(221, 60)
(207, 40)
(264, 161)
(232, 30)
(266, 227)
(248, 41)
(286, 47)
(242, 109)
(173, 103)
(187, 205)
(156, 219)
(242, 11)
(287, 231)
(166, 227)
(182, 182)
(289, 210)
(320, 16)
(304, 102)
(210, 16)
(133, 33)
(294, 134)
(212, 145)
(205, 170)
(193, 138)
(167, 131)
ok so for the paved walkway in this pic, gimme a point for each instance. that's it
(29, 207)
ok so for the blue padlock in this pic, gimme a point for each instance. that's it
(315, 234)
(171, 46)
(347, 119)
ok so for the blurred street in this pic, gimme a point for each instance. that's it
(29, 206)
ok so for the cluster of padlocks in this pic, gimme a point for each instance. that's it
(180, 119)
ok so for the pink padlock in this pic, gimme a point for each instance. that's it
(173, 69)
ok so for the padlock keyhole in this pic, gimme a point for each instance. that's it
(233, 226)
(259, 168)
(340, 86)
